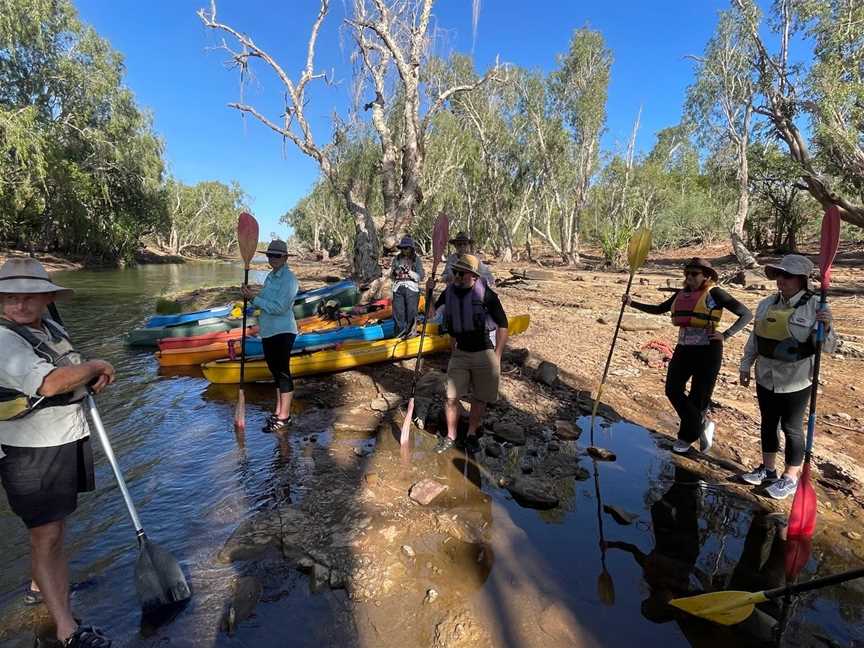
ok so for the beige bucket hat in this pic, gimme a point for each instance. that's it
(27, 275)
(793, 264)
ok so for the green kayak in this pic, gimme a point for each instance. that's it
(344, 293)
(148, 337)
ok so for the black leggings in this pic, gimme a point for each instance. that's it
(277, 353)
(702, 364)
(787, 412)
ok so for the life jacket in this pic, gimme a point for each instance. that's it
(59, 352)
(467, 313)
(690, 309)
(774, 338)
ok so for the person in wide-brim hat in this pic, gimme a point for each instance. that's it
(782, 346)
(696, 310)
(406, 273)
(461, 237)
(277, 248)
(27, 276)
(464, 245)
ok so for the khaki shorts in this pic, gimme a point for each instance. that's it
(476, 373)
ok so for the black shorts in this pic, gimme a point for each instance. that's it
(42, 484)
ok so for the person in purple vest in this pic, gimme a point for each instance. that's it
(471, 311)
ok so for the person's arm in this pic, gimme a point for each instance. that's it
(727, 301)
(748, 357)
(417, 273)
(496, 312)
(278, 298)
(63, 380)
(652, 309)
(447, 274)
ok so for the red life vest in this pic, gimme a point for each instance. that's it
(690, 308)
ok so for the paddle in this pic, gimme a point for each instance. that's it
(247, 238)
(637, 252)
(802, 516)
(158, 577)
(440, 234)
(605, 586)
(729, 608)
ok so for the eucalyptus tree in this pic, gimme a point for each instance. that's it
(720, 105)
(830, 94)
(392, 42)
(202, 217)
(80, 169)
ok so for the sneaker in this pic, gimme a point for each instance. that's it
(277, 425)
(680, 447)
(87, 637)
(444, 444)
(706, 438)
(759, 476)
(783, 487)
(32, 596)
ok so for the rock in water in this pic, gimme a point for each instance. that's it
(601, 454)
(425, 491)
(493, 449)
(620, 515)
(530, 495)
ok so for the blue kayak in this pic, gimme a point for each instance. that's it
(369, 333)
(187, 318)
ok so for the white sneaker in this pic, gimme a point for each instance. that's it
(706, 438)
(783, 487)
(680, 447)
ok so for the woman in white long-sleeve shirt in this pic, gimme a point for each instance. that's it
(782, 345)
(406, 272)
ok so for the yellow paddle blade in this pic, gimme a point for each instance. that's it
(606, 588)
(725, 608)
(637, 250)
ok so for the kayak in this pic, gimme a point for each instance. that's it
(351, 316)
(344, 293)
(158, 321)
(217, 350)
(149, 337)
(347, 356)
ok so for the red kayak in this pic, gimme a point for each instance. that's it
(205, 339)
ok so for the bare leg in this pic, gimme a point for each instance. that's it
(51, 572)
(475, 417)
(283, 409)
(452, 412)
(278, 411)
(793, 472)
(769, 459)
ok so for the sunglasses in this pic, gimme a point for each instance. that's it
(692, 273)
(461, 273)
(274, 256)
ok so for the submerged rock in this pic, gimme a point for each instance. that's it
(425, 491)
(620, 515)
(601, 454)
(530, 494)
(567, 430)
(511, 432)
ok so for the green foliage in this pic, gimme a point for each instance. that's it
(202, 219)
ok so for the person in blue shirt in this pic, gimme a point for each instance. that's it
(278, 329)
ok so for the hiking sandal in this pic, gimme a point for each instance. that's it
(33, 597)
(87, 637)
(277, 425)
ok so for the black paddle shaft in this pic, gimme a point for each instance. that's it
(243, 332)
(617, 329)
(418, 363)
(817, 363)
(816, 583)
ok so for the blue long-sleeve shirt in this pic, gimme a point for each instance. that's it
(276, 301)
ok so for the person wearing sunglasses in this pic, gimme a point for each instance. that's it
(464, 244)
(278, 329)
(406, 273)
(471, 311)
(782, 346)
(696, 310)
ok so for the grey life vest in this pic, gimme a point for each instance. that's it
(58, 351)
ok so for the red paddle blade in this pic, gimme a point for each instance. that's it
(440, 234)
(797, 554)
(802, 517)
(829, 244)
(247, 236)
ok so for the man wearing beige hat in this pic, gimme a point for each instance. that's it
(471, 312)
(45, 454)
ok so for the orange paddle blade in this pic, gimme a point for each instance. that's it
(247, 236)
(240, 412)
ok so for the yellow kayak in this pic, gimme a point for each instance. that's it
(347, 356)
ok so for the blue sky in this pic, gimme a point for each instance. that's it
(185, 84)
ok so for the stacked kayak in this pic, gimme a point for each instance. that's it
(207, 353)
(344, 293)
(158, 321)
(149, 337)
(347, 356)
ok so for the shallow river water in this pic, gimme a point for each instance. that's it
(194, 486)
